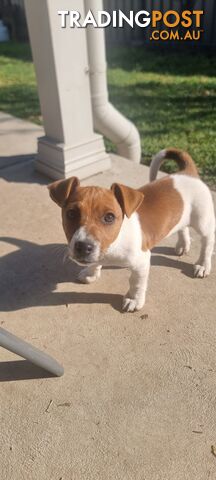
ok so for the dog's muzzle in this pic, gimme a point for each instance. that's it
(83, 248)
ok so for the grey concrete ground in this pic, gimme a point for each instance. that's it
(138, 398)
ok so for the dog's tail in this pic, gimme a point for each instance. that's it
(183, 159)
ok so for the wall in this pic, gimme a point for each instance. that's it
(138, 35)
(13, 12)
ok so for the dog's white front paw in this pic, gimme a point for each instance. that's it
(200, 271)
(132, 304)
(86, 278)
(89, 274)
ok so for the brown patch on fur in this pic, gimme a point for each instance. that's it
(61, 189)
(160, 211)
(184, 161)
(90, 205)
(128, 198)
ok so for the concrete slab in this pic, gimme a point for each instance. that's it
(137, 400)
(18, 140)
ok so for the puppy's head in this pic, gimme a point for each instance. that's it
(92, 216)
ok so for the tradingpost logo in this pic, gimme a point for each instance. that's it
(165, 26)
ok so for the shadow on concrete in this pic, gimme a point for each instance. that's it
(161, 261)
(158, 259)
(11, 160)
(30, 274)
(21, 370)
(21, 168)
(164, 251)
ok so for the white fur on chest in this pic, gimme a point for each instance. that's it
(124, 250)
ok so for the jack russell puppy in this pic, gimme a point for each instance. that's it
(120, 226)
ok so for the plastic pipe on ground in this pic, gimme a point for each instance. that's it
(27, 351)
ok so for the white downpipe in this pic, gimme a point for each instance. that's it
(107, 120)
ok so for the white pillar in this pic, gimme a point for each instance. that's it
(70, 146)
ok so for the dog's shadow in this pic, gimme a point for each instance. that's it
(29, 276)
(159, 258)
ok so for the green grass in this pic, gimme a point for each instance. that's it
(170, 96)
(18, 92)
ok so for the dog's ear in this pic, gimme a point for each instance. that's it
(128, 198)
(61, 189)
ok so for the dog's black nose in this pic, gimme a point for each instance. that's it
(83, 248)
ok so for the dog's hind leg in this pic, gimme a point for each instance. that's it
(184, 242)
(206, 228)
(203, 266)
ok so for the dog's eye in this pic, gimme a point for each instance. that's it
(72, 214)
(108, 218)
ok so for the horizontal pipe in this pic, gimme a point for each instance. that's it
(29, 352)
